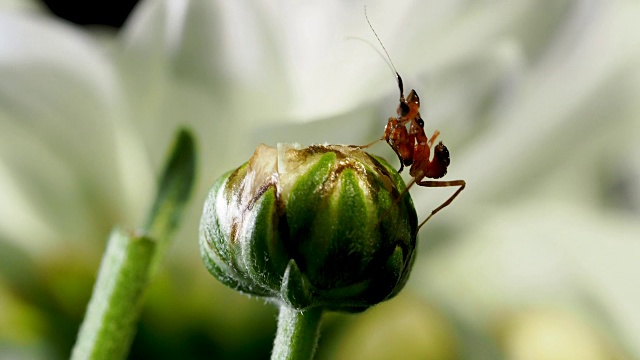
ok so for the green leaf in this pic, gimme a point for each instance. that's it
(174, 189)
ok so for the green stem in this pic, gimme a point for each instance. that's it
(298, 332)
(109, 325)
(129, 261)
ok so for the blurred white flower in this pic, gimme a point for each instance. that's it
(536, 101)
(550, 218)
(63, 141)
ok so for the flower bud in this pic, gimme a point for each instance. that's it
(317, 226)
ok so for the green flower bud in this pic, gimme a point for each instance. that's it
(316, 226)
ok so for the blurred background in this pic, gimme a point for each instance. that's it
(537, 101)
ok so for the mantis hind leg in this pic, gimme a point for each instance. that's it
(438, 183)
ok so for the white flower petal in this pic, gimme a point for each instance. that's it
(61, 110)
(540, 254)
(548, 110)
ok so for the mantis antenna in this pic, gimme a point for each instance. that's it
(393, 67)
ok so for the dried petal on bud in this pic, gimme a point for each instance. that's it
(317, 226)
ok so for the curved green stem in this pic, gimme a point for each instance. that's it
(297, 335)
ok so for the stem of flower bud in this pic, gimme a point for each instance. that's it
(298, 332)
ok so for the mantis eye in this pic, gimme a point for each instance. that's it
(413, 98)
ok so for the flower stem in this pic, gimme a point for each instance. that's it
(130, 260)
(109, 324)
(298, 332)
